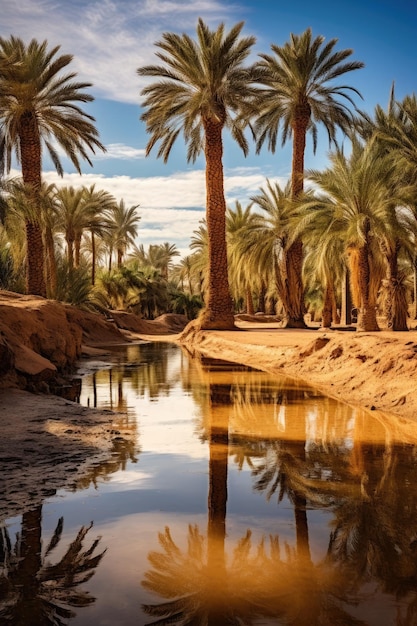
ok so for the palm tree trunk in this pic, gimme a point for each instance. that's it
(414, 309)
(70, 254)
(51, 262)
(326, 320)
(93, 258)
(294, 286)
(218, 312)
(367, 309)
(261, 298)
(77, 249)
(250, 309)
(346, 308)
(30, 157)
(396, 307)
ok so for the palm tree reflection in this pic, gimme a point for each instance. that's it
(33, 590)
(202, 584)
(314, 455)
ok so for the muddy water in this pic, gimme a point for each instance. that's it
(243, 499)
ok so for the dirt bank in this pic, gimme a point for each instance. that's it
(375, 370)
(46, 442)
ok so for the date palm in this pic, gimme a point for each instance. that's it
(299, 94)
(71, 219)
(99, 204)
(244, 281)
(395, 132)
(203, 88)
(123, 228)
(268, 240)
(324, 261)
(358, 191)
(39, 104)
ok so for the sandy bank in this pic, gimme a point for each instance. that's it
(375, 370)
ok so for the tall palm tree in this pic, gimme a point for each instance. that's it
(239, 223)
(72, 219)
(203, 87)
(299, 94)
(99, 205)
(357, 191)
(395, 132)
(123, 228)
(38, 103)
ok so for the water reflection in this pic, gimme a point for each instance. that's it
(144, 367)
(241, 499)
(315, 453)
(206, 586)
(34, 591)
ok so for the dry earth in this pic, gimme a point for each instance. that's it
(375, 370)
(47, 443)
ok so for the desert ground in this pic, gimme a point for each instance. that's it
(47, 443)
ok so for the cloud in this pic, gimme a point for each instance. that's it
(109, 39)
(170, 207)
(119, 151)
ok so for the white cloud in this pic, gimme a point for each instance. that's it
(120, 151)
(109, 39)
(170, 206)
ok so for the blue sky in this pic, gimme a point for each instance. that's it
(111, 39)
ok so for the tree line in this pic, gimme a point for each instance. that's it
(347, 232)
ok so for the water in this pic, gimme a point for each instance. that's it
(242, 499)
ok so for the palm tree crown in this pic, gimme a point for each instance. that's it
(32, 90)
(201, 80)
(299, 83)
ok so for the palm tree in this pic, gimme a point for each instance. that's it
(99, 205)
(299, 94)
(167, 253)
(395, 132)
(123, 228)
(269, 240)
(356, 190)
(184, 274)
(239, 224)
(72, 219)
(324, 258)
(200, 244)
(49, 224)
(38, 103)
(203, 87)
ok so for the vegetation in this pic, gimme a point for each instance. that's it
(285, 253)
(202, 88)
(38, 104)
